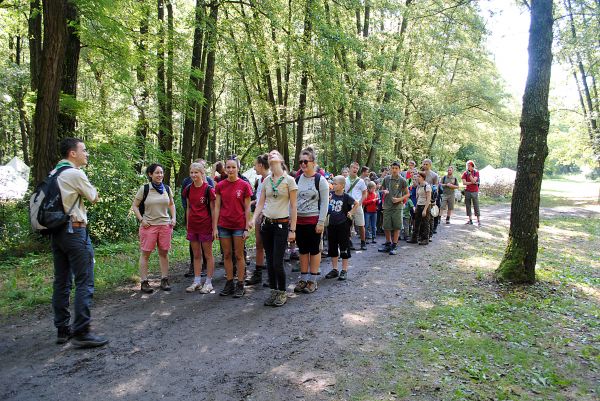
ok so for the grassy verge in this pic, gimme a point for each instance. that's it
(475, 340)
(26, 282)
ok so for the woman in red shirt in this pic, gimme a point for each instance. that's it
(200, 211)
(470, 178)
(231, 224)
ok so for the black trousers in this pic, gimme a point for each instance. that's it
(274, 236)
(421, 227)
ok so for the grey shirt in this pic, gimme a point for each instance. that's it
(308, 197)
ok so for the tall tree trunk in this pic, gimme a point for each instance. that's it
(169, 95)
(209, 76)
(518, 264)
(161, 92)
(23, 123)
(303, 83)
(141, 131)
(45, 151)
(35, 42)
(192, 95)
(67, 118)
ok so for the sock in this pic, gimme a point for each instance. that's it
(197, 279)
(208, 281)
(305, 276)
(313, 277)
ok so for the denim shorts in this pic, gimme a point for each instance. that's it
(228, 233)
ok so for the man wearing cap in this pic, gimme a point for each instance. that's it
(395, 191)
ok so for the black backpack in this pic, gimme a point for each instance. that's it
(317, 180)
(186, 195)
(46, 210)
(142, 207)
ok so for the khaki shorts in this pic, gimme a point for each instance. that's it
(447, 202)
(359, 217)
(392, 219)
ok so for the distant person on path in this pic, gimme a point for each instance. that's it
(261, 166)
(313, 197)
(200, 209)
(156, 224)
(432, 179)
(448, 184)
(72, 249)
(395, 190)
(275, 215)
(420, 232)
(232, 224)
(341, 209)
(470, 178)
(357, 189)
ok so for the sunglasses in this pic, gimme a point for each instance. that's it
(304, 162)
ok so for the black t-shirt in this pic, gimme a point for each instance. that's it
(339, 206)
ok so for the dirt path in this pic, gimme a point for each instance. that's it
(192, 346)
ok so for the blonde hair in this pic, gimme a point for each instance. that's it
(198, 166)
(371, 184)
(339, 179)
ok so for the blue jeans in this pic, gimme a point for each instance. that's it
(73, 258)
(371, 224)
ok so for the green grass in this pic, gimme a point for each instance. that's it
(26, 282)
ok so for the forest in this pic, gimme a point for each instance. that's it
(366, 80)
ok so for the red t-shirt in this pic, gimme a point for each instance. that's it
(370, 203)
(233, 203)
(471, 187)
(199, 218)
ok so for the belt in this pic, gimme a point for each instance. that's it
(78, 224)
(276, 221)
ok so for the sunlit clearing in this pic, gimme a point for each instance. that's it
(555, 231)
(355, 319)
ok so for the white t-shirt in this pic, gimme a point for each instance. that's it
(357, 191)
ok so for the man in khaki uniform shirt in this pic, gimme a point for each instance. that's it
(72, 250)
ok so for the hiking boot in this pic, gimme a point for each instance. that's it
(412, 241)
(385, 247)
(280, 298)
(332, 274)
(270, 301)
(206, 288)
(256, 277)
(239, 290)
(164, 284)
(424, 242)
(145, 287)
(190, 272)
(394, 250)
(229, 288)
(64, 334)
(447, 220)
(86, 339)
(343, 275)
(194, 287)
(470, 222)
(300, 286)
(311, 286)
(363, 245)
(373, 241)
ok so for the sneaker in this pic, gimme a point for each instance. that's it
(447, 221)
(385, 247)
(256, 277)
(434, 231)
(271, 300)
(343, 275)
(229, 288)
(332, 274)
(145, 287)
(190, 272)
(206, 289)
(300, 286)
(470, 222)
(239, 290)
(394, 250)
(164, 284)
(412, 241)
(373, 241)
(86, 339)
(280, 298)
(194, 287)
(64, 335)
(363, 245)
(311, 286)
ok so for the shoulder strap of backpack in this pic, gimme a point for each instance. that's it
(186, 191)
(146, 191)
(207, 195)
(353, 185)
(169, 192)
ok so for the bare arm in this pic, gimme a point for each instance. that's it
(259, 207)
(293, 214)
(217, 209)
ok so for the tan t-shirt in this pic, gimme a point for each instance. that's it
(72, 183)
(156, 206)
(278, 207)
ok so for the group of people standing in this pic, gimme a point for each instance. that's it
(300, 208)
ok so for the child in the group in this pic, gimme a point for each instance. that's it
(232, 223)
(370, 205)
(341, 208)
(200, 197)
(407, 214)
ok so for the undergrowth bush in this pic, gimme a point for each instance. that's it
(497, 190)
